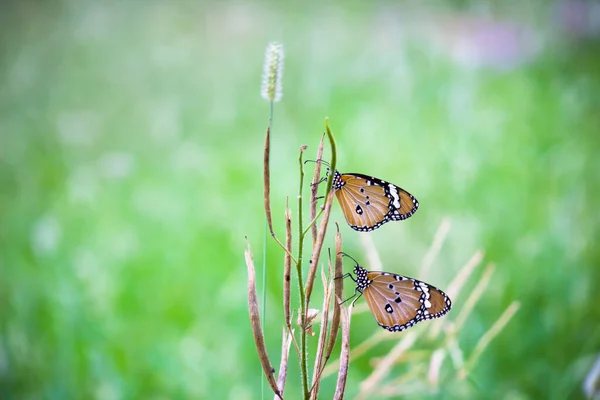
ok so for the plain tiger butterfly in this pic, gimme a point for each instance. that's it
(398, 302)
(368, 202)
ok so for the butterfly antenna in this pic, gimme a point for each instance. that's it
(349, 256)
(318, 161)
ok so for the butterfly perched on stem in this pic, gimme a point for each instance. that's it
(368, 202)
(398, 302)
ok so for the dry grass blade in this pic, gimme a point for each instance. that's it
(340, 388)
(455, 352)
(314, 261)
(259, 338)
(286, 341)
(372, 254)
(437, 358)
(339, 292)
(474, 297)
(319, 359)
(412, 356)
(287, 270)
(436, 245)
(385, 366)
(459, 281)
(399, 387)
(359, 350)
(314, 189)
(488, 337)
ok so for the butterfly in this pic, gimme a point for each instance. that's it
(368, 202)
(398, 302)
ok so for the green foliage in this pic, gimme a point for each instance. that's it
(131, 170)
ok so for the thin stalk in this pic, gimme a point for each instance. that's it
(314, 262)
(305, 296)
(267, 188)
(312, 223)
(303, 349)
(314, 190)
(264, 258)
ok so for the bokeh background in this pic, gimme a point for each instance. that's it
(130, 172)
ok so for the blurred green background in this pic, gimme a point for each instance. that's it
(130, 172)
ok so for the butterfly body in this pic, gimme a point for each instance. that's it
(399, 302)
(368, 202)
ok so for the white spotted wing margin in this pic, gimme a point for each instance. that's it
(399, 302)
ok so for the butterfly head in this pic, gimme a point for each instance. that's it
(337, 179)
(362, 282)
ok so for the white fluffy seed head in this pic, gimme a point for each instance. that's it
(272, 88)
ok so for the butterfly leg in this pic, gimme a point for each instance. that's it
(323, 179)
(355, 296)
(346, 275)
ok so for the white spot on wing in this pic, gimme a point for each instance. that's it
(394, 193)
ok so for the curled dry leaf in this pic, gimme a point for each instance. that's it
(286, 341)
(311, 314)
(340, 387)
(319, 359)
(339, 292)
(259, 338)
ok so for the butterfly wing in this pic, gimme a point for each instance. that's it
(399, 302)
(368, 202)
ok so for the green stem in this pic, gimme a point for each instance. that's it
(303, 349)
(312, 223)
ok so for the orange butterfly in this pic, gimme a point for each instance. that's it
(398, 302)
(368, 202)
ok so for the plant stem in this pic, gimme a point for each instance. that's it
(264, 266)
(303, 349)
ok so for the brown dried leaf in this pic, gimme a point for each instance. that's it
(318, 368)
(259, 338)
(339, 292)
(287, 270)
(314, 189)
(286, 340)
(267, 179)
(340, 388)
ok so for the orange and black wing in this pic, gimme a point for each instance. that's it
(368, 202)
(399, 302)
